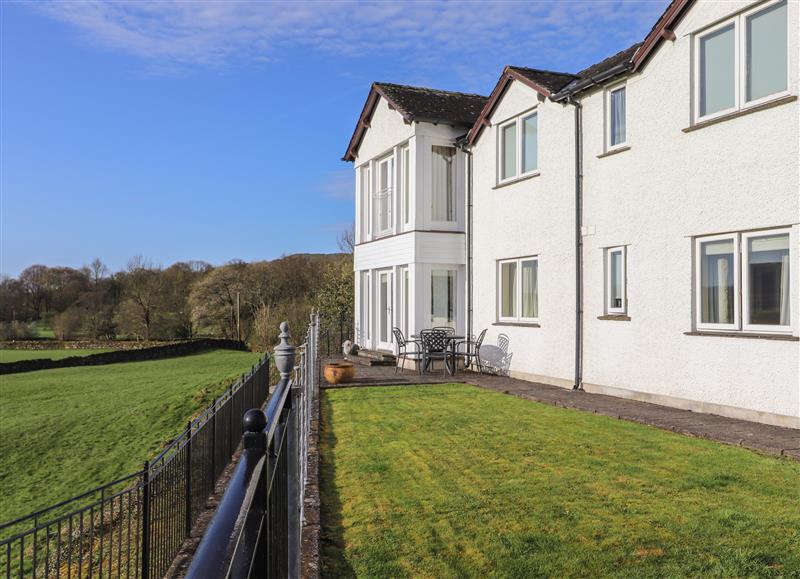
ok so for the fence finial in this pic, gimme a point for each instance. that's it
(284, 352)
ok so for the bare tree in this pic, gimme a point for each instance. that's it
(347, 239)
(142, 300)
(97, 270)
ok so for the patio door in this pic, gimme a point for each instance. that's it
(385, 310)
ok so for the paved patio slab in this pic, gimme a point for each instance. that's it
(762, 438)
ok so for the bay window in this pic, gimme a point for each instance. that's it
(443, 297)
(753, 265)
(383, 201)
(406, 173)
(364, 182)
(443, 175)
(518, 289)
(742, 61)
(518, 147)
(616, 298)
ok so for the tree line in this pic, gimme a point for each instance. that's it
(238, 300)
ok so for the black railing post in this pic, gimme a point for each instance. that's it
(145, 520)
(213, 448)
(188, 478)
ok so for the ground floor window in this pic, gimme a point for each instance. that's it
(443, 297)
(616, 299)
(518, 289)
(742, 281)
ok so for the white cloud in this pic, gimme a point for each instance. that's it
(216, 33)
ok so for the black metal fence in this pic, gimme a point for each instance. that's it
(256, 531)
(333, 332)
(135, 525)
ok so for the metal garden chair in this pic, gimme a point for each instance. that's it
(435, 346)
(472, 351)
(403, 352)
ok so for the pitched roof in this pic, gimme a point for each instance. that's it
(606, 68)
(419, 104)
(551, 81)
(661, 29)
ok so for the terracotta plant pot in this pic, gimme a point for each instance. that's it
(337, 372)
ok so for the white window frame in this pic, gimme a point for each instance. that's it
(745, 257)
(698, 280)
(610, 309)
(740, 101)
(609, 128)
(453, 179)
(518, 318)
(519, 121)
(377, 231)
(405, 178)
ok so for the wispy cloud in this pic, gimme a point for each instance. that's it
(217, 33)
(338, 184)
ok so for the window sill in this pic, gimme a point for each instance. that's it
(520, 324)
(611, 152)
(740, 113)
(780, 337)
(516, 180)
(615, 317)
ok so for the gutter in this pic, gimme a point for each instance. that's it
(568, 92)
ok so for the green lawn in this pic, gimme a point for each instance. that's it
(18, 355)
(64, 431)
(456, 481)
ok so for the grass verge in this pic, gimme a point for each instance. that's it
(67, 430)
(455, 481)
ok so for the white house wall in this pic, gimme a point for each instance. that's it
(527, 218)
(738, 175)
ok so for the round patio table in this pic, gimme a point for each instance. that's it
(451, 343)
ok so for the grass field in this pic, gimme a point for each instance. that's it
(64, 431)
(19, 355)
(455, 481)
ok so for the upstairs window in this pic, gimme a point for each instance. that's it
(616, 117)
(383, 199)
(518, 147)
(443, 191)
(742, 61)
(364, 181)
(743, 281)
(406, 173)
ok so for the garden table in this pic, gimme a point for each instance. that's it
(451, 342)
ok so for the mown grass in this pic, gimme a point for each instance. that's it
(20, 355)
(455, 481)
(64, 431)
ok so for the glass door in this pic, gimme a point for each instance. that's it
(385, 310)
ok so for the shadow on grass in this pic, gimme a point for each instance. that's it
(334, 562)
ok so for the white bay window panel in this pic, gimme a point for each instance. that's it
(443, 176)
(406, 173)
(383, 199)
(364, 181)
(443, 297)
(767, 52)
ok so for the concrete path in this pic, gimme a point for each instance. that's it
(764, 438)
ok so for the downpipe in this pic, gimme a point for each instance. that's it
(578, 384)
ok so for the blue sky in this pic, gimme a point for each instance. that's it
(214, 130)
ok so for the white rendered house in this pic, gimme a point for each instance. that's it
(410, 211)
(634, 228)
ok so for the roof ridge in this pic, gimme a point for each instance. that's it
(513, 66)
(439, 90)
(635, 45)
